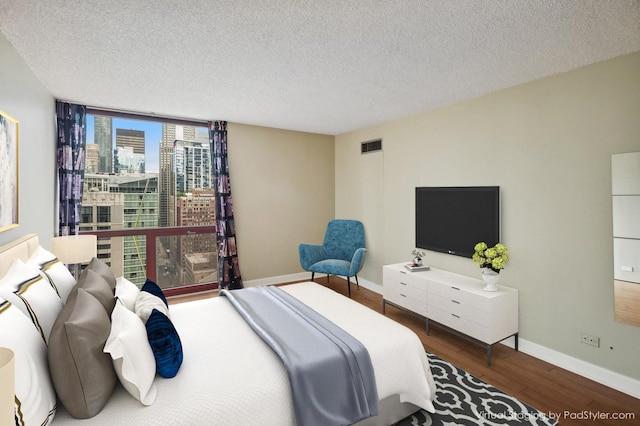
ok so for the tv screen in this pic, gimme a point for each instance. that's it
(453, 219)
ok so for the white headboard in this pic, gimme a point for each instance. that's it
(22, 249)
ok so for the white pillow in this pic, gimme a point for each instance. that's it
(127, 292)
(34, 393)
(146, 303)
(132, 356)
(58, 274)
(32, 293)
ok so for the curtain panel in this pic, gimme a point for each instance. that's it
(71, 121)
(228, 267)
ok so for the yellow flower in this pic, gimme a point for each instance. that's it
(501, 248)
(480, 247)
(490, 253)
(495, 257)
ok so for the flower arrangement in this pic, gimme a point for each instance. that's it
(417, 253)
(493, 258)
(417, 257)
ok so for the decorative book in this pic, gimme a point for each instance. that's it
(414, 268)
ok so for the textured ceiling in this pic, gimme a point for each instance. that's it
(322, 66)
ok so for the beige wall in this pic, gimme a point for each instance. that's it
(26, 99)
(548, 144)
(283, 195)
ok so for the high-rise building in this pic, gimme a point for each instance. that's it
(191, 166)
(196, 208)
(140, 210)
(165, 179)
(129, 153)
(92, 158)
(171, 133)
(103, 137)
(132, 138)
(121, 202)
(127, 162)
(103, 210)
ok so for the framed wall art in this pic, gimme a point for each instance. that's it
(8, 172)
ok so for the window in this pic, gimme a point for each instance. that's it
(142, 176)
(87, 214)
(104, 214)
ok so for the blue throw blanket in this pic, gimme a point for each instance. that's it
(331, 375)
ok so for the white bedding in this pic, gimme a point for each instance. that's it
(229, 376)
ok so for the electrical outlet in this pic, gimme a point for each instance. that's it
(590, 340)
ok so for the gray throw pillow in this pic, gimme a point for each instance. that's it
(98, 266)
(95, 284)
(82, 374)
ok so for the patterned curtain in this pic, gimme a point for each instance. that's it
(228, 267)
(72, 132)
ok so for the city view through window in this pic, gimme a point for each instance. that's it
(145, 179)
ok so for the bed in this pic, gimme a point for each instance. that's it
(230, 376)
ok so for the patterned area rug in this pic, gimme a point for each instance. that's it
(462, 399)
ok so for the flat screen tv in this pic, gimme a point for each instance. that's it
(453, 219)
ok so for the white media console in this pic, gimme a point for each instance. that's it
(454, 302)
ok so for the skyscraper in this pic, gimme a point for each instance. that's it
(197, 208)
(132, 138)
(171, 133)
(164, 181)
(129, 151)
(92, 158)
(103, 137)
(121, 202)
(192, 166)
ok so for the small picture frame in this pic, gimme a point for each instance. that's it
(9, 138)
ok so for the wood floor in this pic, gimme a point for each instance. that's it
(573, 399)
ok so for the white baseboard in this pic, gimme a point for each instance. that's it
(609, 378)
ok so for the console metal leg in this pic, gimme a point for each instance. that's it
(489, 355)
(516, 345)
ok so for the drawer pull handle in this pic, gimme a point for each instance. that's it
(402, 272)
(455, 301)
(455, 288)
(402, 295)
(403, 283)
(454, 315)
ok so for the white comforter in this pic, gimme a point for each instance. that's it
(229, 376)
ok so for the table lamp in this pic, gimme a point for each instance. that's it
(7, 390)
(74, 250)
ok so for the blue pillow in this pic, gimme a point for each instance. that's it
(165, 344)
(153, 288)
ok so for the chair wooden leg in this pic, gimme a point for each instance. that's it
(357, 282)
(312, 274)
(327, 279)
(349, 286)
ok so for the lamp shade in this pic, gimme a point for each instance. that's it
(7, 389)
(74, 249)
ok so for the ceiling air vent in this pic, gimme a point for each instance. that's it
(371, 146)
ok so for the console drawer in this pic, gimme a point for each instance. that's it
(404, 295)
(403, 276)
(461, 295)
(462, 309)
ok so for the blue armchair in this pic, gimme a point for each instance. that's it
(341, 253)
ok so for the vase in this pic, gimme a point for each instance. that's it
(417, 261)
(490, 278)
